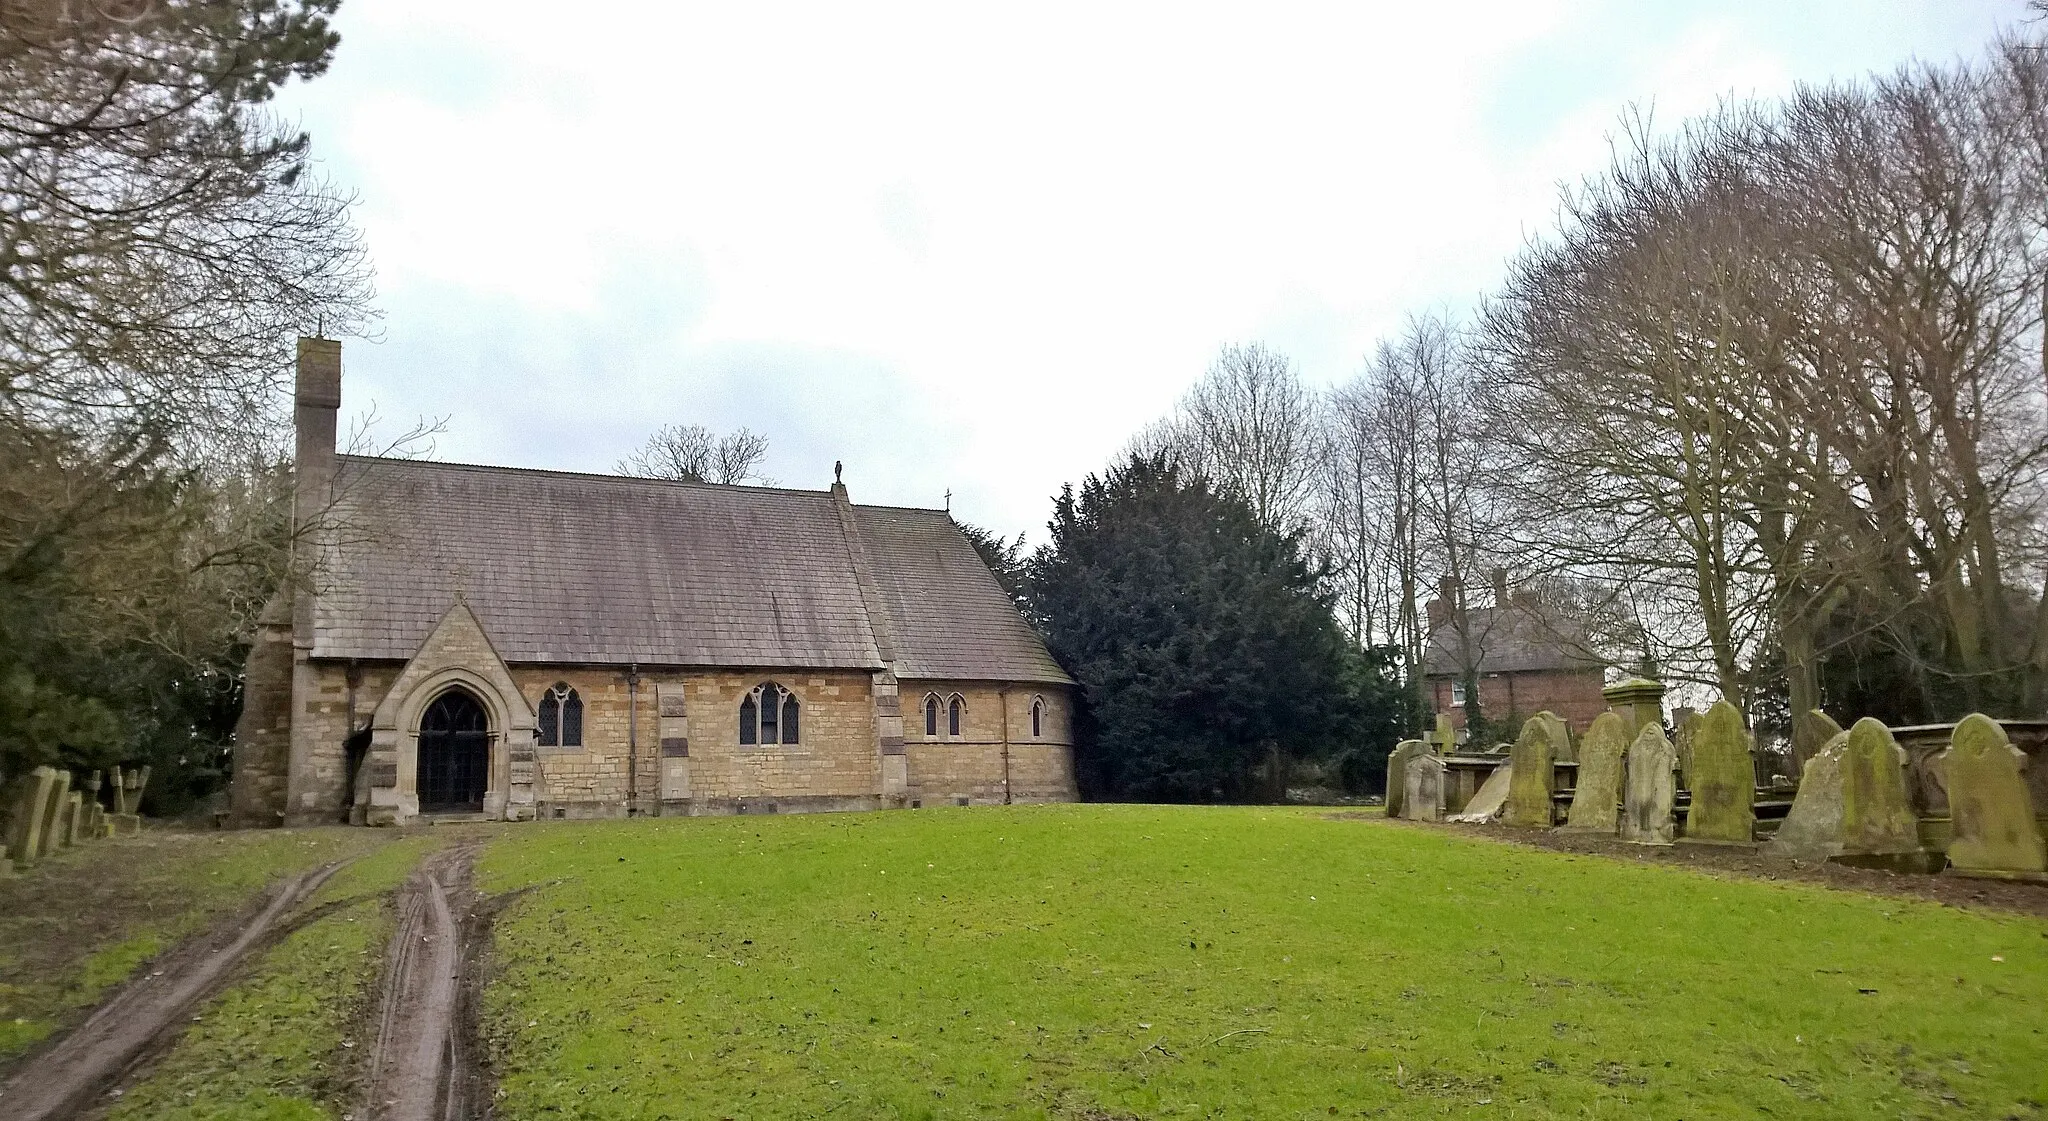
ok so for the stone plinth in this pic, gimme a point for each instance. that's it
(1638, 701)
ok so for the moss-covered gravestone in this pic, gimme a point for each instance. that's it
(1652, 789)
(1877, 819)
(1685, 725)
(1530, 785)
(1812, 829)
(1852, 800)
(1562, 749)
(1723, 780)
(1424, 797)
(1811, 731)
(1596, 801)
(1397, 772)
(1444, 740)
(1996, 835)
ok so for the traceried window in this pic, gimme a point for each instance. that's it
(1037, 717)
(561, 717)
(931, 716)
(953, 708)
(770, 715)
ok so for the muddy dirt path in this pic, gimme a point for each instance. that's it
(424, 1066)
(68, 1075)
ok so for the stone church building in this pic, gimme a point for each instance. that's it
(507, 644)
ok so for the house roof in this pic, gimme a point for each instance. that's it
(1519, 637)
(599, 569)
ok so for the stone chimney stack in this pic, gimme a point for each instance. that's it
(1500, 587)
(316, 405)
(1449, 598)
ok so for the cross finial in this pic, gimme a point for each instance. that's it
(837, 467)
(949, 500)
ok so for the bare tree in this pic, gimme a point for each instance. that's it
(1779, 376)
(162, 239)
(1250, 427)
(693, 453)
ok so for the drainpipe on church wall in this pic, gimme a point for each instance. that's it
(1005, 695)
(632, 739)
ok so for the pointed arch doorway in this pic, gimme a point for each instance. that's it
(454, 754)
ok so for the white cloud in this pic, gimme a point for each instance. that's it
(966, 247)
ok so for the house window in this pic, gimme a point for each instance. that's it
(769, 714)
(1037, 716)
(561, 717)
(953, 716)
(931, 716)
(1457, 693)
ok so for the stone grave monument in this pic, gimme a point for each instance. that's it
(1596, 801)
(1530, 784)
(1723, 780)
(1996, 834)
(1652, 791)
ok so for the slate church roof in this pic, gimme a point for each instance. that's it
(608, 570)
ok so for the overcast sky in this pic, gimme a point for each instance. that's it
(971, 247)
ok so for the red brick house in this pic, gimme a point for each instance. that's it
(1527, 659)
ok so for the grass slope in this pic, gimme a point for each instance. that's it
(81, 921)
(1104, 962)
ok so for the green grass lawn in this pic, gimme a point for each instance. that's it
(1098, 962)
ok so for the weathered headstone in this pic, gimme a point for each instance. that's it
(1444, 740)
(53, 812)
(1397, 772)
(1652, 789)
(1723, 780)
(1811, 731)
(1596, 801)
(1423, 799)
(1492, 795)
(128, 787)
(1529, 787)
(93, 823)
(1562, 750)
(1685, 725)
(68, 814)
(27, 800)
(1996, 835)
(1812, 829)
(1877, 820)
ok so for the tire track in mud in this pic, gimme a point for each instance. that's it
(71, 1073)
(425, 1065)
